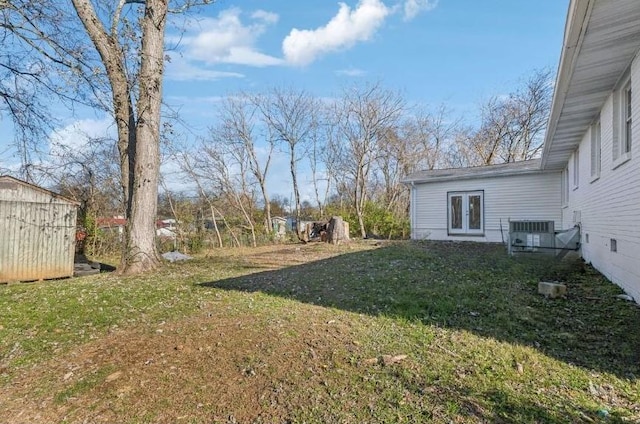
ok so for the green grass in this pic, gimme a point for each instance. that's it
(305, 342)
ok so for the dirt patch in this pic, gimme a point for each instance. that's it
(278, 256)
(209, 368)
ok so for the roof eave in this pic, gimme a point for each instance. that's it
(423, 180)
(40, 189)
(577, 19)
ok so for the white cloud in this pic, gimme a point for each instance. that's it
(226, 39)
(267, 17)
(9, 163)
(77, 135)
(351, 72)
(180, 69)
(346, 28)
(413, 7)
(210, 100)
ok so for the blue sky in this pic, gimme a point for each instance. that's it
(449, 51)
(456, 52)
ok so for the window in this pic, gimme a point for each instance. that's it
(626, 139)
(576, 169)
(465, 212)
(596, 144)
(623, 123)
(564, 187)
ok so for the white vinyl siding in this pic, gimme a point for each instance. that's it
(515, 197)
(610, 209)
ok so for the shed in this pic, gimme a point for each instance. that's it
(37, 232)
(279, 226)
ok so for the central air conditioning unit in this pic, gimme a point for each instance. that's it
(531, 236)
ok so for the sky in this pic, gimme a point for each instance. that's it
(453, 52)
(449, 51)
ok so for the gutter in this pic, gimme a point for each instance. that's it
(433, 179)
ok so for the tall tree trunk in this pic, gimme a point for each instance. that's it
(296, 192)
(359, 199)
(215, 224)
(141, 251)
(267, 207)
(138, 139)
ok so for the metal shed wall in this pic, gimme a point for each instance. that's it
(37, 233)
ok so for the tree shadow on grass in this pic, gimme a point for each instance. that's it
(475, 287)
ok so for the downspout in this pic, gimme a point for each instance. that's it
(412, 210)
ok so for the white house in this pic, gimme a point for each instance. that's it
(589, 172)
(476, 204)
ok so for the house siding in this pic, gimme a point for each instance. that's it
(514, 197)
(608, 207)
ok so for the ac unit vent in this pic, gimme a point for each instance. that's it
(531, 236)
(531, 226)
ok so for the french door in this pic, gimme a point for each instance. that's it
(465, 212)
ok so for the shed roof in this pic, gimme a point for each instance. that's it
(523, 167)
(8, 182)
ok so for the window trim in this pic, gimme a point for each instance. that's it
(623, 123)
(466, 231)
(564, 188)
(627, 118)
(576, 168)
(596, 150)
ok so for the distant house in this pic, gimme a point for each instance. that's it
(589, 172)
(170, 224)
(165, 228)
(113, 224)
(38, 232)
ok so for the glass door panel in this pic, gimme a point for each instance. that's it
(475, 213)
(456, 220)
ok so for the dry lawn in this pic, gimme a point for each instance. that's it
(401, 332)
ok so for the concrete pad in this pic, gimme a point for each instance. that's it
(552, 290)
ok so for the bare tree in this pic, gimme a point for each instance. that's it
(418, 143)
(460, 152)
(138, 123)
(86, 173)
(318, 155)
(98, 48)
(237, 126)
(363, 116)
(41, 58)
(187, 166)
(226, 166)
(432, 133)
(292, 116)
(512, 126)
(332, 156)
